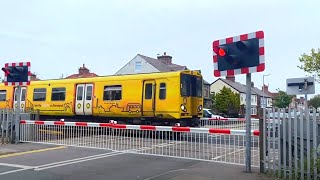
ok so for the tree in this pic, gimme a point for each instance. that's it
(311, 63)
(282, 100)
(315, 101)
(227, 102)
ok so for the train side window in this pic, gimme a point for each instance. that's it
(112, 93)
(79, 93)
(58, 94)
(3, 94)
(148, 91)
(39, 94)
(162, 91)
(89, 93)
(23, 95)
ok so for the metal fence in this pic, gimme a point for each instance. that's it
(292, 144)
(6, 126)
(228, 123)
(8, 120)
(208, 144)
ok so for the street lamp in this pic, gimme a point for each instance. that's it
(263, 98)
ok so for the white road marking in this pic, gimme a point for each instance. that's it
(153, 177)
(16, 165)
(18, 170)
(99, 156)
(77, 159)
(218, 157)
(74, 162)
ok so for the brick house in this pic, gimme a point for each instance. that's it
(236, 87)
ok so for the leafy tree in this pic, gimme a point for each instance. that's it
(315, 101)
(282, 100)
(311, 63)
(227, 102)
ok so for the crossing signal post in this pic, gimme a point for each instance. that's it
(243, 54)
(17, 74)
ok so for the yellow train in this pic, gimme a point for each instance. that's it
(164, 98)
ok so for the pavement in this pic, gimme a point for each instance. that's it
(29, 161)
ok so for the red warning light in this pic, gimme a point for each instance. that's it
(221, 52)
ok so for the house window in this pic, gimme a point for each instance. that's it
(39, 94)
(3, 94)
(162, 94)
(58, 94)
(112, 93)
(253, 110)
(138, 66)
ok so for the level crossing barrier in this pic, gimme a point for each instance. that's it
(207, 144)
(228, 123)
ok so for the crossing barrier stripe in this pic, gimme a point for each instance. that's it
(144, 127)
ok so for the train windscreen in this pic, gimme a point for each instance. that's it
(191, 85)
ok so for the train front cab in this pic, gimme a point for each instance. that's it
(191, 98)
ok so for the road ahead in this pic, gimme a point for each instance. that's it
(83, 163)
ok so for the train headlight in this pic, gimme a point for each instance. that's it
(183, 108)
(200, 108)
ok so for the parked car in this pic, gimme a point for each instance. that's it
(207, 113)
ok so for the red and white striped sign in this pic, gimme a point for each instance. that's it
(19, 64)
(143, 127)
(259, 35)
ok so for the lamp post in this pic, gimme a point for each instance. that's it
(264, 125)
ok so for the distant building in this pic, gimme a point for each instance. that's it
(82, 73)
(163, 63)
(297, 103)
(33, 77)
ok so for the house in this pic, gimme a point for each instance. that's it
(207, 101)
(273, 95)
(83, 72)
(163, 63)
(145, 64)
(297, 103)
(236, 87)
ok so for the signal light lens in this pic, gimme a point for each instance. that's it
(221, 52)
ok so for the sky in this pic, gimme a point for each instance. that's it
(58, 36)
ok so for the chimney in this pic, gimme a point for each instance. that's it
(252, 84)
(231, 78)
(265, 88)
(165, 58)
(83, 70)
(33, 77)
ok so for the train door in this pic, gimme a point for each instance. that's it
(22, 99)
(83, 105)
(148, 99)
